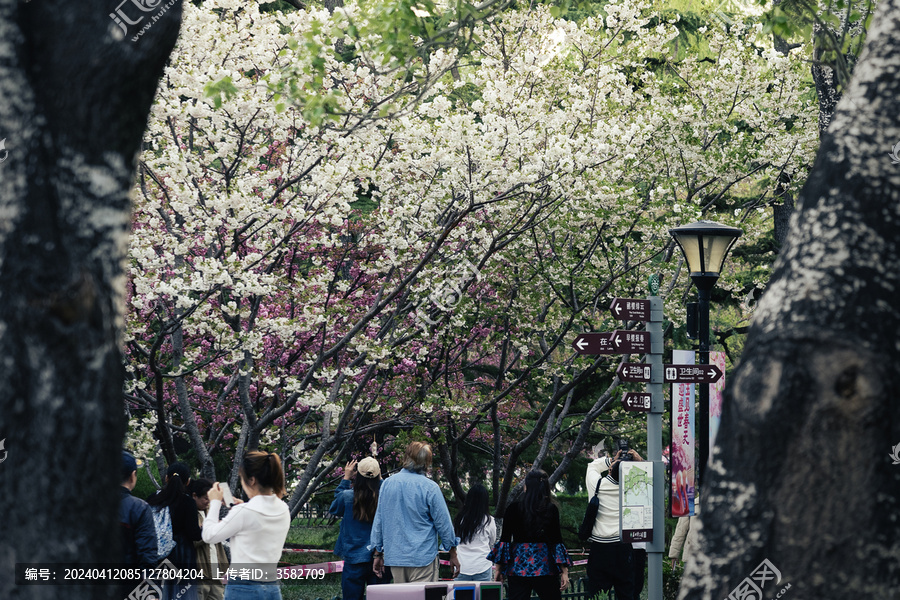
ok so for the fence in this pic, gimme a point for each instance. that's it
(316, 516)
(577, 590)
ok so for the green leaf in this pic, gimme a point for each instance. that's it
(215, 90)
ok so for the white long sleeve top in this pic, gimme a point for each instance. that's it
(606, 527)
(257, 529)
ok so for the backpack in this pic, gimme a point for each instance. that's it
(162, 520)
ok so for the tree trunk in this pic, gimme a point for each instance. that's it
(188, 416)
(782, 212)
(802, 476)
(77, 92)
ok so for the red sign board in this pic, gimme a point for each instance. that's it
(630, 309)
(631, 342)
(594, 343)
(636, 402)
(691, 373)
(633, 372)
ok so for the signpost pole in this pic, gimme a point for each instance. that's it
(703, 293)
(656, 547)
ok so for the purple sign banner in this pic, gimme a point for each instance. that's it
(681, 488)
(716, 391)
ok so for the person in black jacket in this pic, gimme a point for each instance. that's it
(136, 520)
(185, 525)
(135, 524)
(530, 553)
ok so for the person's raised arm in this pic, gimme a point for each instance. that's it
(215, 530)
(337, 506)
(595, 471)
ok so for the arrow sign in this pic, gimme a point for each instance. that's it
(631, 342)
(630, 309)
(691, 373)
(636, 402)
(594, 343)
(633, 372)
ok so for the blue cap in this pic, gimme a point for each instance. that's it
(129, 464)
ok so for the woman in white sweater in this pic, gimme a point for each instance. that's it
(257, 528)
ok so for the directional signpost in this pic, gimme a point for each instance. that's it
(594, 343)
(691, 373)
(633, 372)
(640, 372)
(649, 343)
(630, 309)
(631, 342)
(651, 372)
(636, 402)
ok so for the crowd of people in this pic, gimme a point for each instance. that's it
(183, 524)
(391, 531)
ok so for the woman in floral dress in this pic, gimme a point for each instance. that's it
(530, 555)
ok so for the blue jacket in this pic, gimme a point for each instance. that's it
(354, 536)
(138, 531)
(410, 520)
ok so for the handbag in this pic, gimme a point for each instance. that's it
(590, 515)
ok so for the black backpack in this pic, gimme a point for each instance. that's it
(590, 515)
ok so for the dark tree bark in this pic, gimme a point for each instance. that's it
(782, 212)
(76, 95)
(802, 476)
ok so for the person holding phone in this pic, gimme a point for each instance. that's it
(257, 528)
(355, 503)
(211, 558)
(610, 560)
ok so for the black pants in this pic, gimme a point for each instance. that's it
(640, 571)
(611, 566)
(546, 587)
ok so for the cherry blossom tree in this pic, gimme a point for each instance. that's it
(322, 288)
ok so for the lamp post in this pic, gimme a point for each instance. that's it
(705, 245)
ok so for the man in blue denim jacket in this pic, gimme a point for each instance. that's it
(411, 521)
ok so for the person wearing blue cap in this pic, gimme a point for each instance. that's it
(136, 520)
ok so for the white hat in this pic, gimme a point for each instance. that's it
(368, 468)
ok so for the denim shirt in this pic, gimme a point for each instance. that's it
(354, 536)
(410, 518)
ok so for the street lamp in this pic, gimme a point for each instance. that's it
(705, 245)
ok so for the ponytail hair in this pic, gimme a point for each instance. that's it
(265, 467)
(178, 475)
